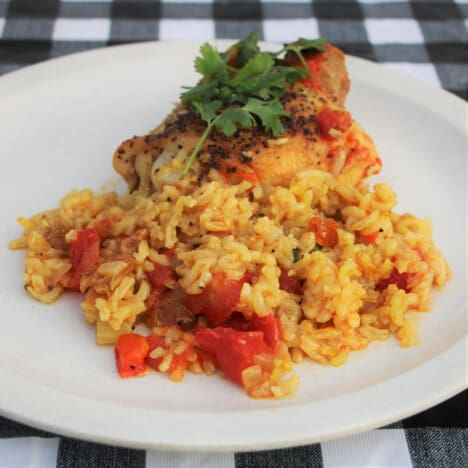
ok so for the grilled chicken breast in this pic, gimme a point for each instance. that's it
(318, 134)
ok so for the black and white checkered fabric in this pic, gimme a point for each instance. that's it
(426, 39)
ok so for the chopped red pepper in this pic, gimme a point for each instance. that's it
(130, 354)
(84, 255)
(400, 280)
(336, 119)
(325, 230)
(218, 299)
(233, 350)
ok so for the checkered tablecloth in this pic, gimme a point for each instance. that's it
(426, 39)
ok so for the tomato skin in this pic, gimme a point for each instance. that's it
(336, 119)
(218, 299)
(400, 280)
(271, 328)
(289, 284)
(161, 276)
(325, 230)
(269, 325)
(84, 255)
(130, 354)
(233, 350)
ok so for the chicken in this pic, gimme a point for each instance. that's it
(318, 134)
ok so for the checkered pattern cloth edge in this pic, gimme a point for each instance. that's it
(427, 39)
(424, 38)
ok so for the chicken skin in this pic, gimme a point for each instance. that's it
(319, 133)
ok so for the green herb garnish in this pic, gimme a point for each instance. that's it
(317, 247)
(242, 87)
(296, 254)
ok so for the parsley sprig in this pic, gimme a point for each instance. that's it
(242, 87)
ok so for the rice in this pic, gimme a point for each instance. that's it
(347, 298)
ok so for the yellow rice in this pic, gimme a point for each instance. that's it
(217, 227)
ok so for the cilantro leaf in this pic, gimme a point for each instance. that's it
(203, 91)
(292, 74)
(207, 110)
(259, 64)
(241, 88)
(243, 50)
(228, 118)
(210, 63)
(305, 44)
(269, 113)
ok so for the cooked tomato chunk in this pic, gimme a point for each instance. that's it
(400, 280)
(84, 256)
(269, 325)
(289, 283)
(161, 276)
(325, 230)
(130, 354)
(328, 119)
(218, 299)
(233, 350)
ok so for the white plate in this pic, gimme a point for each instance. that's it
(59, 124)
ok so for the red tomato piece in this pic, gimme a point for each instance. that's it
(161, 276)
(336, 119)
(269, 325)
(370, 238)
(154, 341)
(271, 328)
(400, 280)
(233, 350)
(238, 322)
(130, 354)
(325, 230)
(289, 284)
(314, 64)
(218, 299)
(84, 255)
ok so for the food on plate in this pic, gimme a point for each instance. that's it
(318, 133)
(249, 239)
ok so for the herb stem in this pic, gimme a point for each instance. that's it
(198, 146)
(303, 61)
